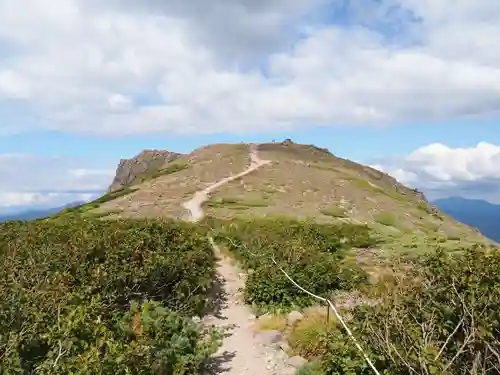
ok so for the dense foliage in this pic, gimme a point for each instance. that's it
(440, 317)
(67, 288)
(446, 323)
(316, 256)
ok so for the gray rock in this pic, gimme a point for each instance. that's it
(289, 371)
(296, 361)
(293, 317)
(132, 171)
(270, 337)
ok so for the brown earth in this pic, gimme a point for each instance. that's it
(163, 196)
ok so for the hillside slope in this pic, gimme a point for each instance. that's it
(302, 181)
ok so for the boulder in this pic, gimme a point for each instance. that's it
(132, 171)
(293, 317)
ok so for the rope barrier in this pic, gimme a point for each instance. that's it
(337, 314)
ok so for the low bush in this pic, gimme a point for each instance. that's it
(311, 368)
(334, 211)
(312, 254)
(147, 339)
(441, 316)
(386, 218)
(446, 323)
(52, 269)
(329, 346)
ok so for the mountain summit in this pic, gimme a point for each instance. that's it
(302, 181)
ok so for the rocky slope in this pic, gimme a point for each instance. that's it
(135, 170)
(302, 181)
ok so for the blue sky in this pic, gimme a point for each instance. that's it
(361, 143)
(410, 87)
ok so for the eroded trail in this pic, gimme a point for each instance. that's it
(242, 352)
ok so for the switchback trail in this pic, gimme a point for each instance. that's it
(242, 353)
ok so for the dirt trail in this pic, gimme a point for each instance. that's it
(195, 203)
(242, 352)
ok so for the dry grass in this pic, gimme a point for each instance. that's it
(307, 337)
(271, 323)
(163, 196)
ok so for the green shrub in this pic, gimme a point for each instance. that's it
(170, 168)
(314, 255)
(48, 265)
(314, 338)
(386, 218)
(236, 203)
(334, 211)
(311, 368)
(445, 322)
(148, 339)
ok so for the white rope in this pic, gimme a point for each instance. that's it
(336, 314)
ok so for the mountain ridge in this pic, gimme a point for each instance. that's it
(34, 214)
(478, 213)
(303, 182)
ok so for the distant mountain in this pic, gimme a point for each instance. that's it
(478, 213)
(34, 214)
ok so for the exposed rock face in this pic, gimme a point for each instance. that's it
(134, 170)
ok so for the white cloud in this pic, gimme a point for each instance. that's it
(440, 170)
(38, 181)
(124, 67)
(31, 200)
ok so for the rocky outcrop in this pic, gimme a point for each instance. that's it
(133, 171)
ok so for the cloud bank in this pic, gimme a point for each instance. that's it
(127, 67)
(442, 171)
(40, 182)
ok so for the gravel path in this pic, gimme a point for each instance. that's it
(243, 352)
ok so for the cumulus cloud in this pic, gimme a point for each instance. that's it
(37, 181)
(441, 171)
(124, 67)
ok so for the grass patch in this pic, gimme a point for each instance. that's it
(237, 203)
(172, 167)
(454, 237)
(424, 206)
(274, 322)
(85, 209)
(334, 211)
(375, 189)
(430, 226)
(387, 219)
(307, 338)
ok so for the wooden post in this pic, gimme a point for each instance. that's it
(327, 313)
